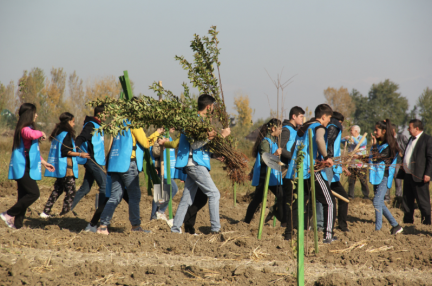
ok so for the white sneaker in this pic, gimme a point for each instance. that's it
(44, 215)
(161, 216)
(90, 228)
(170, 222)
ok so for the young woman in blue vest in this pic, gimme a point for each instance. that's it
(385, 151)
(25, 165)
(288, 138)
(266, 142)
(62, 156)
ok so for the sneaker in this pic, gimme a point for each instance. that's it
(334, 238)
(215, 232)
(44, 215)
(161, 216)
(328, 240)
(140, 229)
(320, 229)
(102, 230)
(9, 220)
(91, 228)
(170, 222)
(395, 230)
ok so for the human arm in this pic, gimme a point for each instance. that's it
(285, 136)
(332, 133)
(141, 138)
(428, 169)
(321, 144)
(153, 137)
(30, 134)
(67, 150)
(172, 144)
(85, 135)
(47, 165)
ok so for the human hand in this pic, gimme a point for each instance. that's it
(226, 132)
(329, 161)
(347, 138)
(278, 152)
(249, 176)
(48, 166)
(426, 179)
(162, 141)
(221, 158)
(211, 134)
(374, 140)
(84, 155)
(43, 136)
(348, 173)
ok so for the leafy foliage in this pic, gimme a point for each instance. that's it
(425, 109)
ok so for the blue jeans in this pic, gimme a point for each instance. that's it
(93, 172)
(198, 176)
(128, 181)
(162, 207)
(380, 208)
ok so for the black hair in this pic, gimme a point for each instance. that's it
(26, 114)
(389, 138)
(323, 109)
(205, 100)
(417, 124)
(338, 116)
(274, 122)
(99, 109)
(63, 125)
(296, 110)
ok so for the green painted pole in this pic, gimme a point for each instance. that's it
(235, 194)
(314, 218)
(168, 167)
(300, 227)
(264, 202)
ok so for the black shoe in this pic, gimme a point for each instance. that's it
(334, 238)
(190, 229)
(396, 229)
(343, 229)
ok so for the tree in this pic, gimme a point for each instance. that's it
(30, 85)
(241, 105)
(340, 100)
(383, 102)
(75, 101)
(424, 104)
(7, 97)
(108, 86)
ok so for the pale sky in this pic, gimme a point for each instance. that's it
(324, 43)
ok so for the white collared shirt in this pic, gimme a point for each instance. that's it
(408, 154)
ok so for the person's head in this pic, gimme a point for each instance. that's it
(384, 133)
(296, 115)
(67, 123)
(98, 112)
(273, 127)
(415, 127)
(323, 114)
(338, 116)
(205, 103)
(27, 117)
(355, 130)
(172, 130)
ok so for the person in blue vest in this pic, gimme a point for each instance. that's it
(323, 114)
(25, 165)
(62, 156)
(384, 153)
(266, 142)
(158, 211)
(288, 139)
(125, 161)
(332, 174)
(93, 143)
(194, 160)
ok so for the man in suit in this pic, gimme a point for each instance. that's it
(417, 165)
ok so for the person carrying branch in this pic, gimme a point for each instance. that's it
(63, 156)
(266, 142)
(25, 165)
(385, 151)
(194, 160)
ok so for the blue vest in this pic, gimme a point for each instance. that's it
(175, 173)
(200, 156)
(59, 162)
(98, 147)
(275, 176)
(121, 151)
(18, 162)
(290, 143)
(139, 155)
(306, 161)
(376, 172)
(337, 169)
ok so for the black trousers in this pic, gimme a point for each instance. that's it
(28, 193)
(101, 205)
(258, 197)
(419, 192)
(199, 202)
(288, 189)
(342, 206)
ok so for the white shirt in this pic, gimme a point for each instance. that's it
(408, 154)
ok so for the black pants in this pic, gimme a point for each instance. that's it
(28, 193)
(288, 205)
(257, 200)
(360, 173)
(199, 202)
(419, 192)
(101, 205)
(342, 206)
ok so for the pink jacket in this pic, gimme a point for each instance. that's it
(28, 134)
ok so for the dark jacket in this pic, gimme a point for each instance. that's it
(285, 136)
(86, 135)
(385, 156)
(402, 142)
(422, 158)
(332, 134)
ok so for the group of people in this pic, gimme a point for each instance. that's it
(117, 173)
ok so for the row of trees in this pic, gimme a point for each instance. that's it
(55, 94)
(383, 101)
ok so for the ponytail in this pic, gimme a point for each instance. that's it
(265, 128)
(389, 138)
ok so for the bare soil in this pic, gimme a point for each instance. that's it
(56, 251)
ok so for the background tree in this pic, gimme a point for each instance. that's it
(244, 111)
(30, 85)
(340, 100)
(108, 86)
(76, 99)
(7, 97)
(424, 104)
